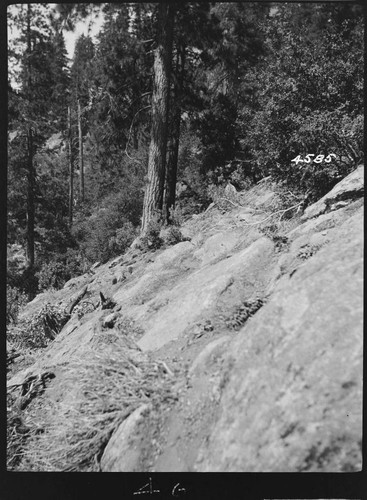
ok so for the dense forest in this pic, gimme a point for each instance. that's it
(168, 104)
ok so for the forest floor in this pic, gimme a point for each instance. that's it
(200, 329)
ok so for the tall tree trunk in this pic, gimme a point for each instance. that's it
(30, 201)
(30, 165)
(71, 170)
(172, 161)
(81, 159)
(153, 199)
(28, 275)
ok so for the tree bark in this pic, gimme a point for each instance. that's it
(172, 161)
(81, 159)
(30, 202)
(30, 165)
(71, 170)
(153, 199)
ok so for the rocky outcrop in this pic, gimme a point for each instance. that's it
(124, 438)
(288, 404)
(350, 188)
(279, 389)
(197, 296)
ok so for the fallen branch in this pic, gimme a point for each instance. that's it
(11, 358)
(263, 179)
(275, 213)
(214, 203)
(76, 301)
(210, 207)
(230, 201)
(170, 372)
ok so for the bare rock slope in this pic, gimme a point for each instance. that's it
(257, 335)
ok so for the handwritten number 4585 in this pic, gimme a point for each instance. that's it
(318, 159)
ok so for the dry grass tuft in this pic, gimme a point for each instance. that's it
(97, 393)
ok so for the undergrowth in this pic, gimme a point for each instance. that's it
(99, 391)
(40, 329)
(151, 239)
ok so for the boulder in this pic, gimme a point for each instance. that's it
(117, 260)
(200, 293)
(350, 188)
(230, 191)
(217, 246)
(173, 255)
(202, 360)
(124, 449)
(293, 400)
(109, 320)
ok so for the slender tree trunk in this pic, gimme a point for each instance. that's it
(30, 165)
(153, 199)
(172, 161)
(71, 170)
(30, 202)
(81, 159)
(28, 275)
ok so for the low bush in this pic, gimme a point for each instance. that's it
(40, 329)
(104, 234)
(15, 300)
(122, 239)
(151, 239)
(52, 275)
(172, 235)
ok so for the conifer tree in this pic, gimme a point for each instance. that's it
(38, 108)
(153, 199)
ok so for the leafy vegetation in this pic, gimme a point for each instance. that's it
(40, 329)
(307, 96)
(251, 87)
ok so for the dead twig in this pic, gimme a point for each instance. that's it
(76, 301)
(230, 201)
(170, 372)
(274, 213)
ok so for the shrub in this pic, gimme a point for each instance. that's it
(306, 251)
(176, 215)
(151, 240)
(303, 102)
(194, 198)
(75, 262)
(25, 281)
(224, 200)
(16, 438)
(37, 331)
(122, 239)
(109, 229)
(15, 300)
(52, 275)
(217, 131)
(172, 235)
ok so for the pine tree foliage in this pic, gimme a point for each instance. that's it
(37, 112)
(250, 87)
(306, 96)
